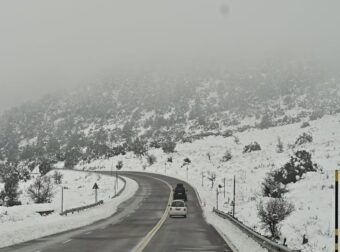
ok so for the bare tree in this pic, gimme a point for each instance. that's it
(41, 191)
(212, 178)
(272, 213)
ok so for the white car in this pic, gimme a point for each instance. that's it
(178, 208)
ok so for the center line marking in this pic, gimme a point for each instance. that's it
(67, 241)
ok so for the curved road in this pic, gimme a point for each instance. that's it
(133, 221)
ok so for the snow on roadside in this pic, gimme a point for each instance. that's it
(19, 223)
(313, 195)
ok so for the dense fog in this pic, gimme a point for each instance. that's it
(50, 45)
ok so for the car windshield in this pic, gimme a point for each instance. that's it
(177, 204)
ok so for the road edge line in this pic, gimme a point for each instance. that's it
(145, 241)
(226, 239)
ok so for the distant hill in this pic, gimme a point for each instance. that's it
(108, 118)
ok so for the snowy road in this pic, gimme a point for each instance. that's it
(132, 222)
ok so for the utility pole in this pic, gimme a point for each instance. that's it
(217, 198)
(336, 209)
(187, 171)
(62, 199)
(224, 187)
(165, 168)
(202, 178)
(234, 202)
(116, 183)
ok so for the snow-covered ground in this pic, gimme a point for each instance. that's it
(19, 223)
(313, 195)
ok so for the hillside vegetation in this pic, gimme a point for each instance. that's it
(106, 119)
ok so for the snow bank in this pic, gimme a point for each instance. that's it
(19, 223)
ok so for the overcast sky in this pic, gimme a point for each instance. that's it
(46, 45)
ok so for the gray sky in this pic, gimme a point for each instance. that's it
(46, 45)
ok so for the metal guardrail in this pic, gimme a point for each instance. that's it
(262, 240)
(78, 209)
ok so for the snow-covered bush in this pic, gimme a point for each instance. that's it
(41, 191)
(272, 188)
(119, 165)
(57, 177)
(255, 146)
(304, 138)
(155, 144)
(227, 156)
(316, 115)
(305, 125)
(151, 159)
(138, 147)
(266, 122)
(298, 165)
(186, 161)
(118, 150)
(169, 146)
(45, 167)
(272, 212)
(227, 133)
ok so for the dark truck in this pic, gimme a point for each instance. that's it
(180, 193)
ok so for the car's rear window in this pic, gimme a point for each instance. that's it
(177, 204)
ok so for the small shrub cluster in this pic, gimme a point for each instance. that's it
(138, 147)
(41, 191)
(168, 146)
(304, 125)
(45, 167)
(151, 159)
(272, 188)
(227, 133)
(119, 165)
(266, 122)
(303, 139)
(255, 146)
(57, 177)
(316, 115)
(118, 150)
(291, 172)
(227, 156)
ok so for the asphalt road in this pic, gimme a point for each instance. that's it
(133, 221)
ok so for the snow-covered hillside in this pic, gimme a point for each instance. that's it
(19, 223)
(312, 195)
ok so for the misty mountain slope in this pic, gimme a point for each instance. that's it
(312, 194)
(88, 123)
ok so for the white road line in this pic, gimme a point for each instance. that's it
(67, 241)
(144, 242)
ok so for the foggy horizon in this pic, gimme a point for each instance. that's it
(50, 46)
